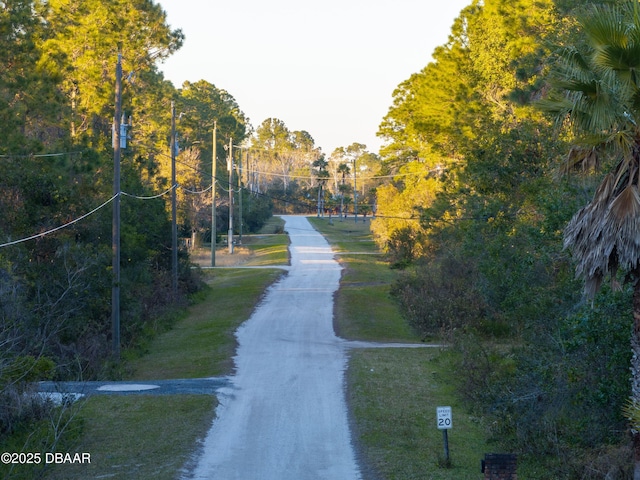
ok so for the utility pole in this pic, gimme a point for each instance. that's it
(230, 170)
(355, 191)
(249, 173)
(342, 196)
(174, 225)
(240, 196)
(213, 198)
(115, 238)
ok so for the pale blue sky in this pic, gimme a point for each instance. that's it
(328, 67)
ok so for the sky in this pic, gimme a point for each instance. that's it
(327, 67)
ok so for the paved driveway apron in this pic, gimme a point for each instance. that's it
(284, 415)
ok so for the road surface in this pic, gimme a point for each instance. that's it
(284, 414)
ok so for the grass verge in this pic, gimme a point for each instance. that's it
(203, 344)
(256, 250)
(393, 393)
(268, 247)
(138, 436)
(363, 308)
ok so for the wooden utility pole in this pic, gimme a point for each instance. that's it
(230, 170)
(240, 197)
(213, 198)
(174, 224)
(355, 191)
(115, 238)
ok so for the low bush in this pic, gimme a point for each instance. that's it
(440, 297)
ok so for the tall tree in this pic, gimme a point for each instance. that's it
(202, 104)
(322, 176)
(82, 45)
(32, 111)
(283, 152)
(274, 141)
(434, 113)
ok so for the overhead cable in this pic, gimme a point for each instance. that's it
(194, 192)
(151, 197)
(48, 232)
(40, 155)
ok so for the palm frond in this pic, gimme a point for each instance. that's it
(581, 158)
(605, 234)
(631, 411)
(591, 237)
(605, 25)
(597, 90)
(604, 193)
(622, 140)
(626, 205)
(573, 73)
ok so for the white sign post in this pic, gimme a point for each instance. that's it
(445, 422)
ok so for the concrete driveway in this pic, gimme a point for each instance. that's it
(283, 415)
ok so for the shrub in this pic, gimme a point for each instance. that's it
(404, 246)
(440, 297)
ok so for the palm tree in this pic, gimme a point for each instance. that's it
(596, 91)
(344, 170)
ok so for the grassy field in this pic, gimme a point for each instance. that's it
(392, 393)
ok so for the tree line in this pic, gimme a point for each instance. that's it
(514, 197)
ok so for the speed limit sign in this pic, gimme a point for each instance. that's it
(443, 415)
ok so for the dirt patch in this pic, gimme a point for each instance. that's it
(240, 256)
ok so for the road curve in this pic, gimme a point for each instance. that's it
(284, 414)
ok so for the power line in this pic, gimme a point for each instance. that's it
(82, 217)
(233, 190)
(138, 197)
(48, 232)
(194, 192)
(40, 155)
(296, 177)
(151, 197)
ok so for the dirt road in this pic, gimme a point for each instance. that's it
(284, 415)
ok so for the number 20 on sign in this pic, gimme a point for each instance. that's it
(444, 418)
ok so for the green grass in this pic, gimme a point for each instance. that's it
(364, 310)
(346, 235)
(203, 344)
(267, 249)
(393, 393)
(368, 313)
(256, 250)
(139, 436)
(274, 224)
(145, 436)
(268, 246)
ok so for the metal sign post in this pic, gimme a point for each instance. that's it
(444, 420)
